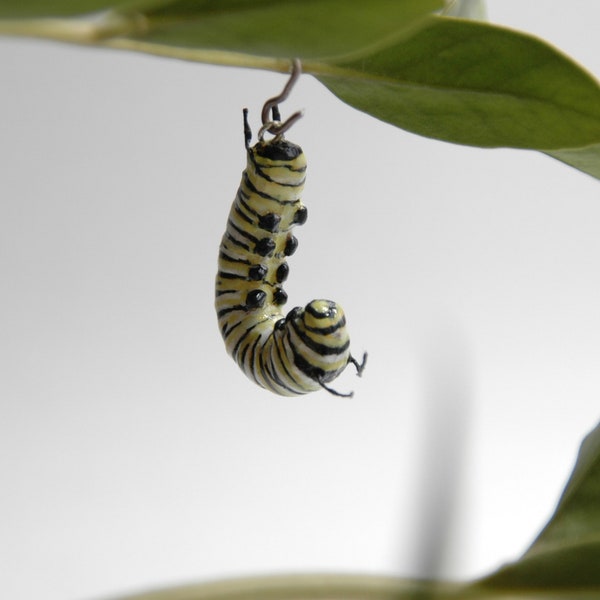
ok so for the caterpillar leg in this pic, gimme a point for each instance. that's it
(360, 367)
(335, 392)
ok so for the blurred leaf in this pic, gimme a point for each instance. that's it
(348, 587)
(283, 28)
(304, 587)
(21, 9)
(571, 566)
(577, 515)
(477, 84)
(566, 554)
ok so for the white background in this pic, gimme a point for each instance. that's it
(134, 454)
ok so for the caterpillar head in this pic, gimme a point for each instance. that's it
(279, 163)
(326, 318)
(320, 340)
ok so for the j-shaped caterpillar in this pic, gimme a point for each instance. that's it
(307, 349)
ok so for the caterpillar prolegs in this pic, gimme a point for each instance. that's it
(307, 349)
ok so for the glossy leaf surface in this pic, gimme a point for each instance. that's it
(283, 28)
(473, 83)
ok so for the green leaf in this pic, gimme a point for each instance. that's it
(585, 159)
(348, 587)
(21, 9)
(283, 28)
(577, 515)
(467, 9)
(451, 79)
(306, 587)
(273, 28)
(477, 84)
(566, 554)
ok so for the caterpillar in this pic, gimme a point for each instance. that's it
(309, 347)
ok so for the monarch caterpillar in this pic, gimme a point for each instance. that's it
(305, 350)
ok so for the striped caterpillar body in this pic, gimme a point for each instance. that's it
(288, 355)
